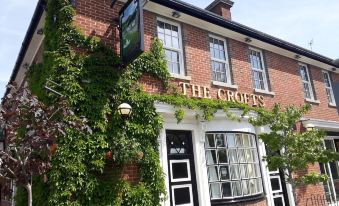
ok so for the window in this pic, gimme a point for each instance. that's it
(219, 60)
(170, 35)
(258, 70)
(232, 165)
(305, 78)
(328, 87)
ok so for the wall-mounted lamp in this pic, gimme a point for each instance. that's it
(297, 56)
(334, 69)
(124, 110)
(176, 14)
(248, 40)
(40, 31)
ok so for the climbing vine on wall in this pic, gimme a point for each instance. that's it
(88, 75)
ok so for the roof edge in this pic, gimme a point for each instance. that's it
(39, 10)
(237, 27)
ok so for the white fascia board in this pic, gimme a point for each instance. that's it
(212, 28)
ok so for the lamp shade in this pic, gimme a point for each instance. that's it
(124, 110)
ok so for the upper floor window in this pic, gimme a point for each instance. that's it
(328, 87)
(232, 165)
(258, 70)
(170, 34)
(219, 60)
(305, 78)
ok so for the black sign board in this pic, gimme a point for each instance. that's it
(131, 31)
(336, 94)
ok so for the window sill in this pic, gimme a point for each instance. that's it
(312, 101)
(178, 76)
(222, 84)
(332, 105)
(264, 92)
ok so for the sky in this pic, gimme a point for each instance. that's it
(296, 21)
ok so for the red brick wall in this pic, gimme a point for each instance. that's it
(96, 18)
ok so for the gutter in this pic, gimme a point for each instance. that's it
(39, 10)
(242, 29)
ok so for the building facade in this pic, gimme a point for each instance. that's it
(219, 162)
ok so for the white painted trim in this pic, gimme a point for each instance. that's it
(309, 82)
(277, 177)
(226, 61)
(264, 92)
(179, 76)
(312, 101)
(183, 186)
(223, 84)
(330, 87)
(181, 45)
(187, 161)
(258, 70)
(204, 25)
(322, 124)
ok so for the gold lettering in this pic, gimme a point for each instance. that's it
(238, 97)
(184, 87)
(261, 101)
(254, 98)
(196, 92)
(207, 93)
(230, 96)
(221, 94)
(246, 98)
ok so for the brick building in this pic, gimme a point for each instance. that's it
(211, 56)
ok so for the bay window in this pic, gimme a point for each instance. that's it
(232, 165)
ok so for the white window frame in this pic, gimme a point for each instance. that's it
(226, 61)
(308, 82)
(180, 51)
(187, 161)
(263, 70)
(330, 87)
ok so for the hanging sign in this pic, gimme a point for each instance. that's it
(131, 31)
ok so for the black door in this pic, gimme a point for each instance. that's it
(181, 170)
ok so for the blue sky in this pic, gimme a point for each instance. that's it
(295, 21)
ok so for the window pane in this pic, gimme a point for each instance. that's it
(241, 156)
(236, 188)
(243, 171)
(233, 155)
(220, 139)
(246, 140)
(248, 156)
(210, 140)
(215, 190)
(226, 189)
(182, 196)
(234, 172)
(179, 170)
(211, 157)
(222, 155)
(251, 171)
(253, 186)
(167, 29)
(245, 188)
(239, 140)
(230, 140)
(175, 42)
(213, 174)
(224, 173)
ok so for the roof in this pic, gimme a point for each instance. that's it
(28, 37)
(242, 29)
(190, 10)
